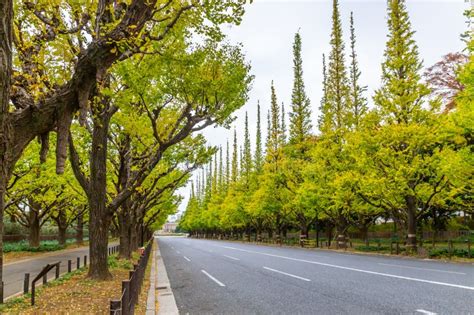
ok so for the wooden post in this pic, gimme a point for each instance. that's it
(78, 263)
(126, 297)
(69, 263)
(85, 260)
(469, 248)
(26, 283)
(115, 306)
(57, 270)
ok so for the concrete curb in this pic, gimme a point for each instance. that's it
(151, 299)
(166, 301)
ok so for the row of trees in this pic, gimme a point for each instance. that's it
(122, 88)
(408, 159)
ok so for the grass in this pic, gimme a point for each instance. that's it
(75, 293)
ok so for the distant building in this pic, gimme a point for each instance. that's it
(169, 227)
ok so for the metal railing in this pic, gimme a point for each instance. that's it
(131, 288)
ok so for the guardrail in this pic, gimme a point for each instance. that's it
(131, 288)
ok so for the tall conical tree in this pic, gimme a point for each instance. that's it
(258, 143)
(335, 109)
(275, 138)
(247, 158)
(221, 185)
(235, 162)
(269, 132)
(227, 166)
(358, 101)
(300, 115)
(323, 119)
(215, 175)
(398, 100)
(283, 124)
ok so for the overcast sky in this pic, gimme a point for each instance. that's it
(267, 32)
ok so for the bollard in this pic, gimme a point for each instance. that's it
(2, 284)
(26, 283)
(78, 262)
(85, 260)
(69, 263)
(469, 248)
(450, 248)
(45, 278)
(57, 271)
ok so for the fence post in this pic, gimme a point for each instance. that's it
(85, 260)
(26, 283)
(78, 263)
(469, 248)
(115, 306)
(57, 270)
(126, 297)
(69, 263)
(45, 278)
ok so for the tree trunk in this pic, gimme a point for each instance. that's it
(80, 229)
(124, 226)
(62, 235)
(411, 223)
(6, 16)
(99, 217)
(34, 229)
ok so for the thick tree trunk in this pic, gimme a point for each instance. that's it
(124, 226)
(62, 227)
(99, 217)
(62, 235)
(80, 229)
(34, 229)
(411, 222)
(6, 16)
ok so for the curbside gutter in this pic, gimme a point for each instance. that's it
(166, 301)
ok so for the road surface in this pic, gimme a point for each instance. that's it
(14, 272)
(218, 277)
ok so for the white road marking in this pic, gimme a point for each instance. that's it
(231, 257)
(357, 270)
(419, 268)
(212, 278)
(187, 258)
(425, 312)
(286, 274)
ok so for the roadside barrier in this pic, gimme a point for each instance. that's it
(131, 288)
(43, 274)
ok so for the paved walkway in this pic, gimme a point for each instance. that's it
(14, 272)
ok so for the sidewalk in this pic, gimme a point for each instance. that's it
(160, 296)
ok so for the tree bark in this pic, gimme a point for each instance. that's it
(100, 217)
(80, 229)
(62, 227)
(34, 229)
(6, 17)
(125, 235)
(411, 222)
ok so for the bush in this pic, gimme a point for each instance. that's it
(371, 248)
(23, 246)
(444, 252)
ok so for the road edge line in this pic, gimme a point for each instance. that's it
(166, 301)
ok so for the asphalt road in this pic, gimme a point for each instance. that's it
(14, 272)
(218, 277)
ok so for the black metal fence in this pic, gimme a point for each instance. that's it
(131, 288)
(43, 274)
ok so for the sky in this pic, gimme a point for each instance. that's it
(267, 32)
